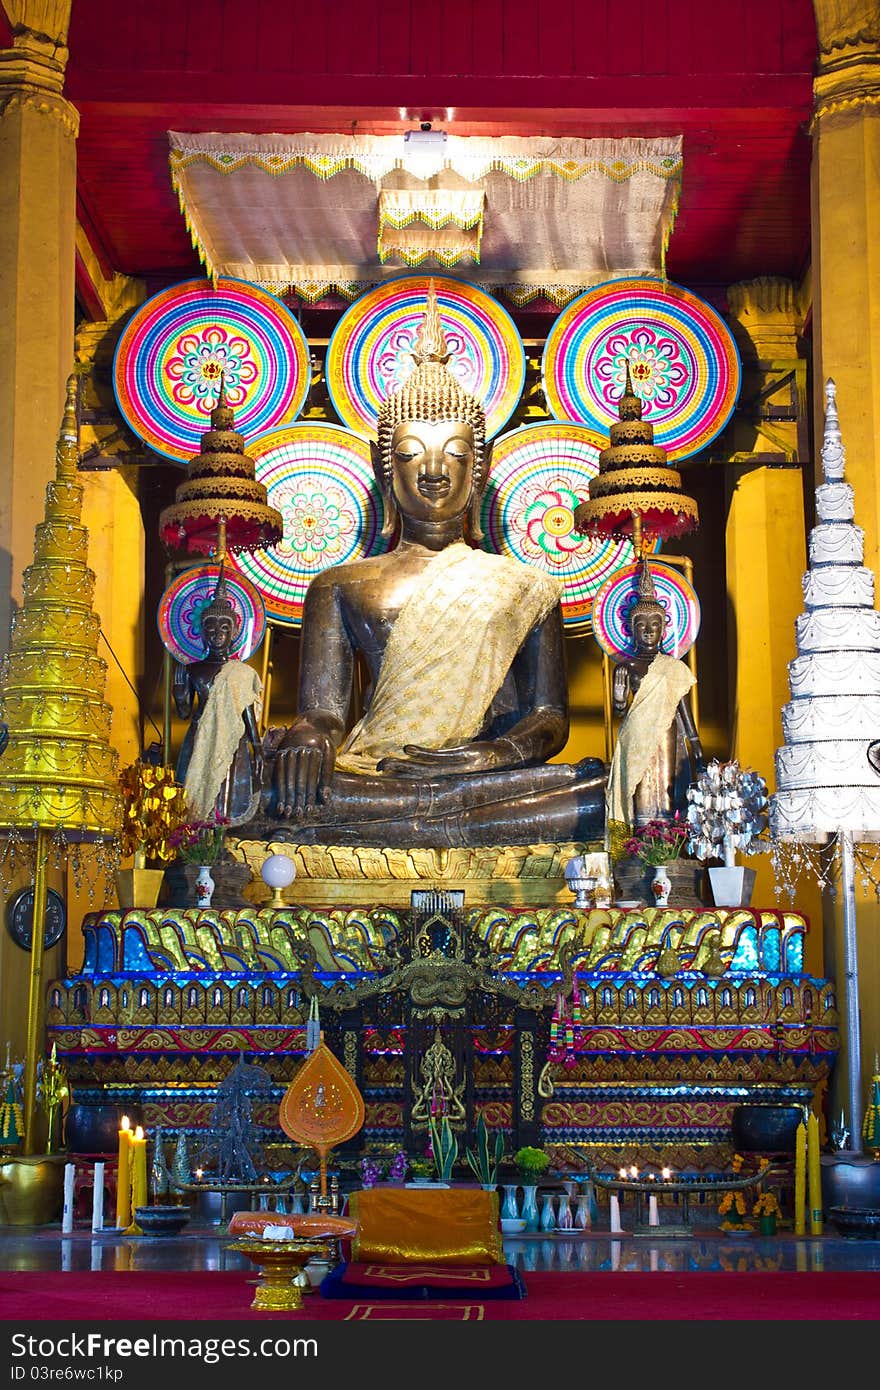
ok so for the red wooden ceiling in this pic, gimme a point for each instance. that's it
(734, 79)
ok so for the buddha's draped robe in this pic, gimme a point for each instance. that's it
(449, 651)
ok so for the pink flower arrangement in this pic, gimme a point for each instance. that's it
(658, 841)
(200, 841)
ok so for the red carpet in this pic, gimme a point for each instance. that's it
(552, 1296)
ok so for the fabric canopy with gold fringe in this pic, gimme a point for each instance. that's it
(556, 215)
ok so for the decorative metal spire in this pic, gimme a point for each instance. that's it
(833, 452)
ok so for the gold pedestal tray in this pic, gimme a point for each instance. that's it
(279, 1262)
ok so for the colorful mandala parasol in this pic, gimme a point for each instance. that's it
(167, 367)
(320, 478)
(179, 618)
(370, 351)
(613, 602)
(683, 362)
(538, 476)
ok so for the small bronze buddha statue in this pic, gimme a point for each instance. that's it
(221, 758)
(467, 693)
(658, 751)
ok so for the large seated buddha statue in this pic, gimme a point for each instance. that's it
(467, 692)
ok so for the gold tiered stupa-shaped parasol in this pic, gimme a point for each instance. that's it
(221, 506)
(58, 776)
(636, 493)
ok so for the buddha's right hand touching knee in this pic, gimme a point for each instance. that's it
(303, 769)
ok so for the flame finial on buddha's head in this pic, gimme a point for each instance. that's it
(431, 392)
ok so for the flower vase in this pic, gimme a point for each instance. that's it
(582, 1219)
(204, 886)
(661, 886)
(564, 1218)
(548, 1215)
(509, 1207)
(530, 1207)
(767, 1224)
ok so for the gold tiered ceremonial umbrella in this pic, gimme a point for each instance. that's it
(58, 776)
(221, 506)
(636, 493)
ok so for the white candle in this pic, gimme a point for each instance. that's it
(67, 1213)
(66, 1256)
(98, 1198)
(96, 1257)
(654, 1259)
(614, 1210)
(653, 1213)
(615, 1254)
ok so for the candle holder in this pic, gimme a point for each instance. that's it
(683, 1185)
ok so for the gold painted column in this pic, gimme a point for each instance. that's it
(846, 339)
(38, 130)
(766, 543)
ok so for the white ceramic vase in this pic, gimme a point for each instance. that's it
(661, 886)
(204, 886)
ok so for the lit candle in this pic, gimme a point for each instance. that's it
(614, 1211)
(653, 1213)
(814, 1170)
(800, 1179)
(123, 1176)
(98, 1198)
(138, 1170)
(199, 1172)
(67, 1211)
(666, 1174)
(634, 1172)
(623, 1173)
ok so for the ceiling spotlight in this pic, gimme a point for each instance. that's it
(425, 138)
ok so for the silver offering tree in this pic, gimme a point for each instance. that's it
(727, 811)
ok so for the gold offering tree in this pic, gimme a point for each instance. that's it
(59, 786)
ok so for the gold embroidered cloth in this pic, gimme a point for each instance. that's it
(219, 731)
(448, 653)
(447, 1226)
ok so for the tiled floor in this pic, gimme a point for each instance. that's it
(206, 1248)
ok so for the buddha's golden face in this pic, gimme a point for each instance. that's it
(433, 468)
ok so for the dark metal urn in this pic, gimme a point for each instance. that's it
(850, 1180)
(763, 1127)
(92, 1126)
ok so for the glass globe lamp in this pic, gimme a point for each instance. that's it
(278, 872)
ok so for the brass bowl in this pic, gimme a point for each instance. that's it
(31, 1189)
(279, 1263)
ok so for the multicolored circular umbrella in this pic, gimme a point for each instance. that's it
(615, 599)
(683, 362)
(320, 478)
(179, 618)
(168, 363)
(370, 352)
(539, 473)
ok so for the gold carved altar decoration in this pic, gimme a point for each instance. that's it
(322, 1107)
(545, 216)
(58, 776)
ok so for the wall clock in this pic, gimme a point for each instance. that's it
(20, 918)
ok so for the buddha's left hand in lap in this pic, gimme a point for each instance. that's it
(489, 756)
